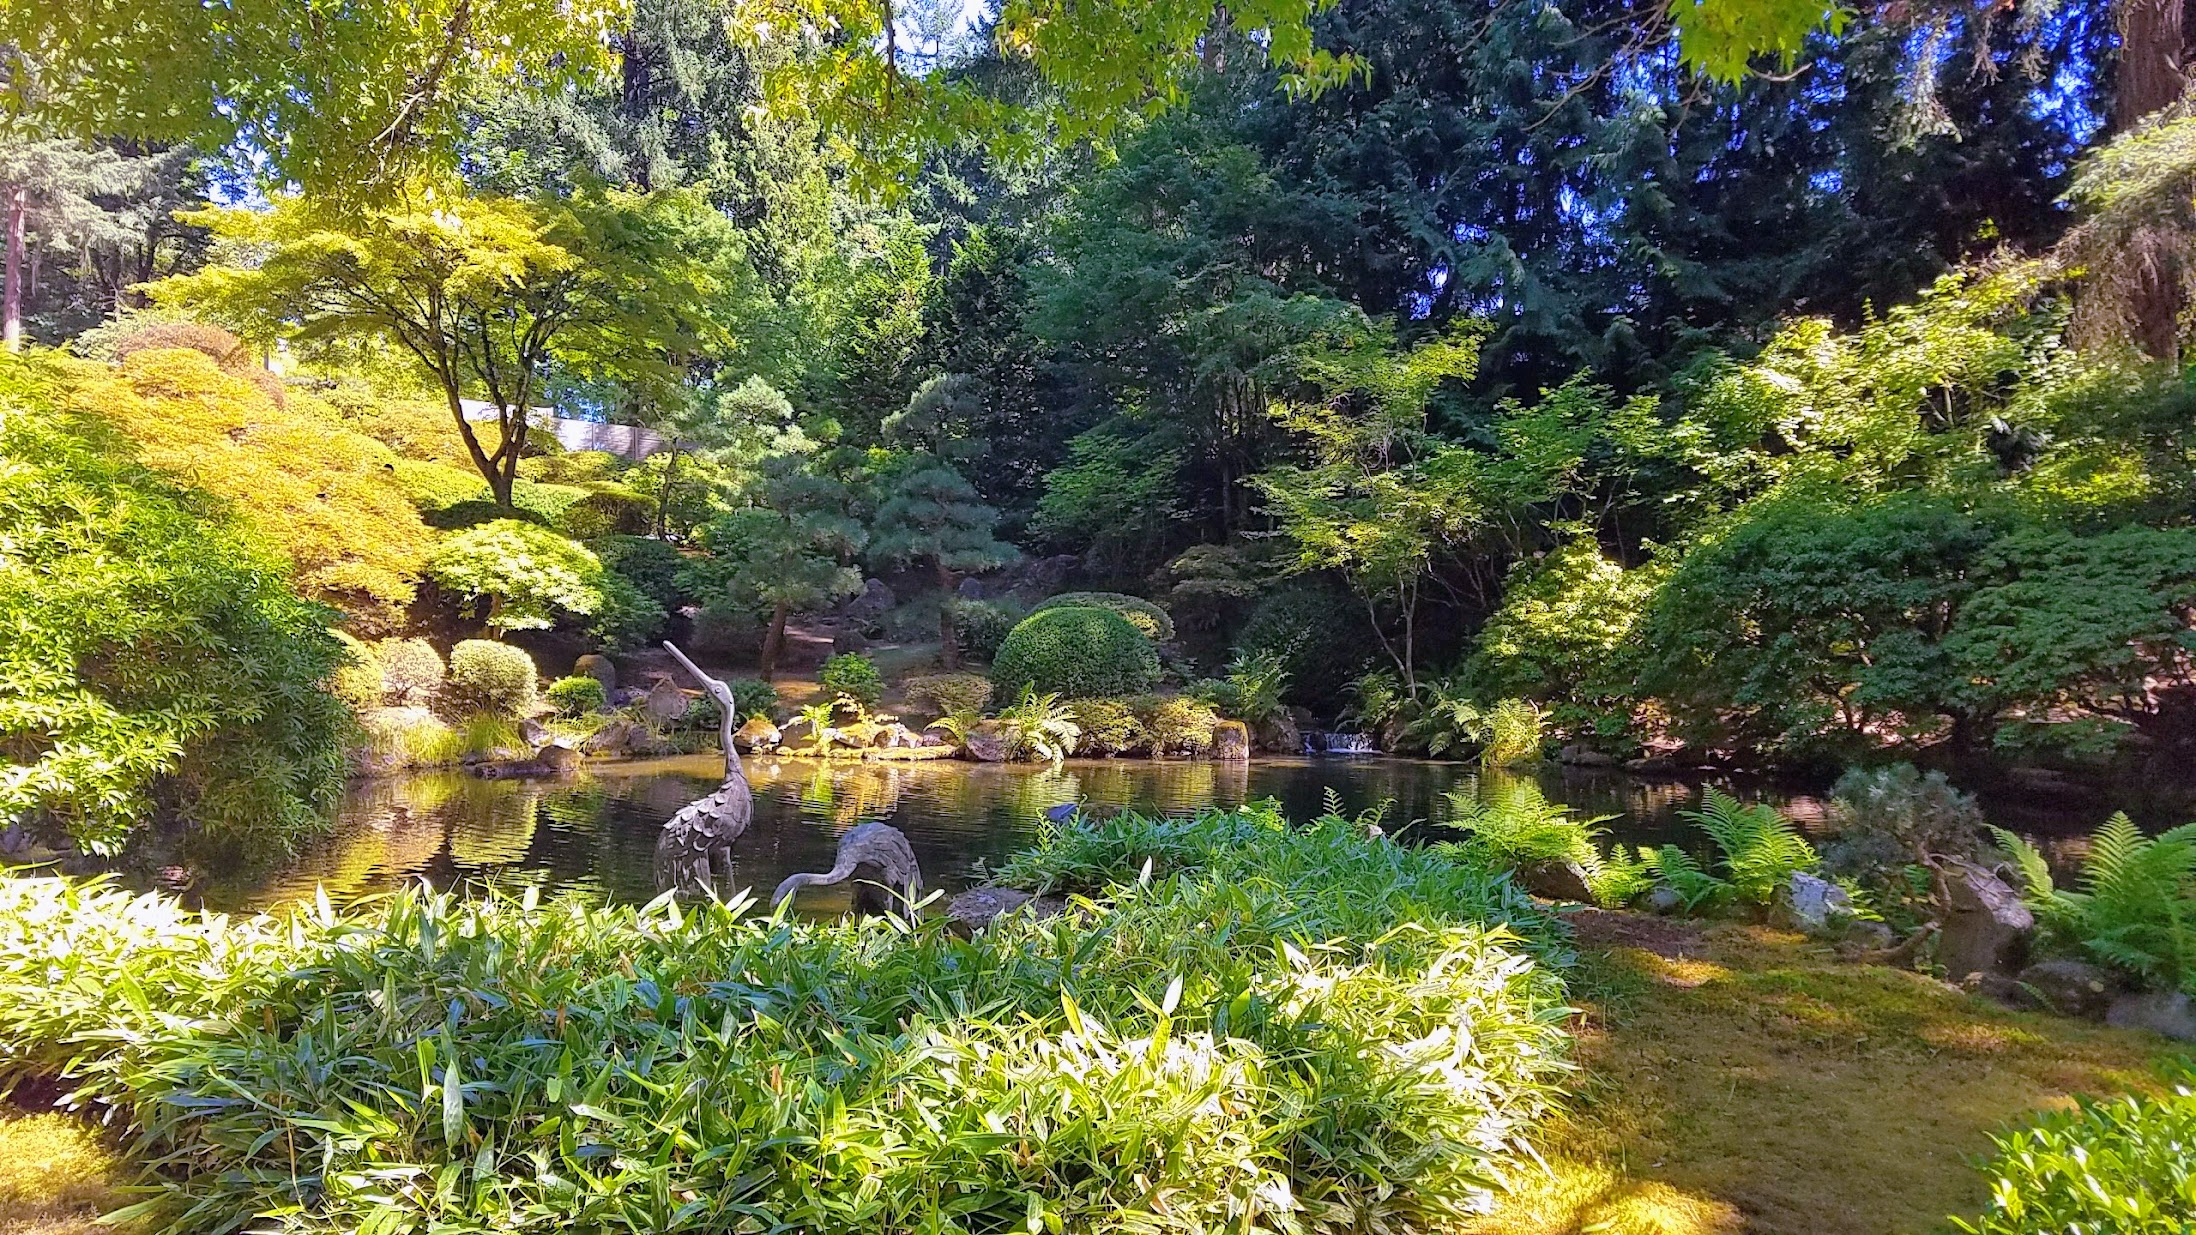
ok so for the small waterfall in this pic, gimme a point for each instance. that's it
(1319, 743)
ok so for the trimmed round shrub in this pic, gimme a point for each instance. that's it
(1108, 727)
(945, 694)
(492, 677)
(411, 671)
(980, 626)
(855, 675)
(1076, 653)
(577, 696)
(1143, 614)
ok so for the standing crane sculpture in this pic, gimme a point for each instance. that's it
(698, 839)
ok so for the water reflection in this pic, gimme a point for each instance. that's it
(597, 831)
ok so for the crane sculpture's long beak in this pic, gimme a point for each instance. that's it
(707, 683)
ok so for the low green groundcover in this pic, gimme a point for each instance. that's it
(1242, 1027)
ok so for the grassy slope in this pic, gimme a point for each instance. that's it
(1742, 1079)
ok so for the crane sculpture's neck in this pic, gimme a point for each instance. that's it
(725, 729)
(729, 723)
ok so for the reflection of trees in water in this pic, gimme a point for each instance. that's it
(493, 826)
(386, 831)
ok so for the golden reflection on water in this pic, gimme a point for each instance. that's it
(596, 831)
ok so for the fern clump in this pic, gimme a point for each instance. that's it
(2135, 908)
(1758, 849)
(1520, 827)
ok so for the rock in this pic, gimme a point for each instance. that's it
(970, 588)
(2169, 1014)
(1986, 927)
(977, 908)
(553, 759)
(987, 743)
(1063, 814)
(936, 737)
(1556, 880)
(558, 758)
(1652, 765)
(533, 732)
(1998, 988)
(1663, 899)
(867, 609)
(616, 738)
(1279, 734)
(1231, 739)
(1810, 903)
(627, 696)
(1580, 755)
(1861, 936)
(2072, 988)
(598, 668)
(757, 734)
(666, 702)
(897, 736)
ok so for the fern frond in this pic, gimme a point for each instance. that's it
(2029, 861)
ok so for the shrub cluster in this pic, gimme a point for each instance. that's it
(980, 626)
(411, 671)
(1251, 1025)
(1076, 653)
(853, 675)
(947, 694)
(154, 659)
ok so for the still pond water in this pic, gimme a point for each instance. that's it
(597, 831)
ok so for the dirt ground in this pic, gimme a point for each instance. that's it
(1740, 1079)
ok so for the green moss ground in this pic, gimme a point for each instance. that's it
(1739, 1079)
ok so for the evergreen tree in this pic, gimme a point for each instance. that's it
(928, 513)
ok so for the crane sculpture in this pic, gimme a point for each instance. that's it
(698, 839)
(878, 858)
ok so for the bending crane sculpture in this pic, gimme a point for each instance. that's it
(877, 856)
(702, 833)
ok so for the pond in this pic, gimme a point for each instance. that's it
(597, 831)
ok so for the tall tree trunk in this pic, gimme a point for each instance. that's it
(18, 218)
(774, 640)
(949, 646)
(2151, 75)
(663, 500)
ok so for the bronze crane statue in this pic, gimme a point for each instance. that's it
(877, 856)
(699, 838)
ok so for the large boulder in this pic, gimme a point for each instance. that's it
(988, 743)
(600, 669)
(865, 611)
(1986, 927)
(1557, 880)
(1279, 734)
(758, 734)
(1580, 755)
(1231, 739)
(2072, 988)
(666, 702)
(2169, 1014)
(616, 738)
